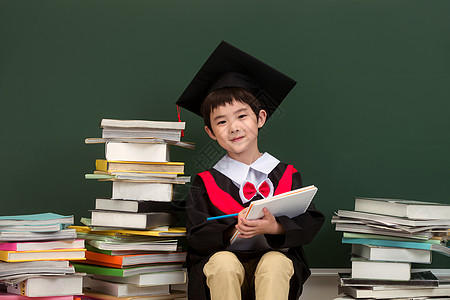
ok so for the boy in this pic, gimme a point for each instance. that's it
(236, 93)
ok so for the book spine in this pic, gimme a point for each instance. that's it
(4, 255)
(8, 246)
(23, 288)
(101, 165)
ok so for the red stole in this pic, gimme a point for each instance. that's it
(227, 204)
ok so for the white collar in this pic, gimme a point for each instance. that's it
(238, 171)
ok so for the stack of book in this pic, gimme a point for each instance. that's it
(132, 241)
(35, 251)
(387, 236)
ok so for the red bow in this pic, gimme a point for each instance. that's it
(249, 190)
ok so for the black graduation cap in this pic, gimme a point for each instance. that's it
(229, 66)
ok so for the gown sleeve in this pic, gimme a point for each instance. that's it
(205, 237)
(300, 230)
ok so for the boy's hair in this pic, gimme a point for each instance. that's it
(225, 96)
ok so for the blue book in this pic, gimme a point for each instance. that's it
(386, 237)
(35, 219)
(399, 244)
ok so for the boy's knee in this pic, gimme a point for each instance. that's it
(275, 262)
(272, 276)
(223, 262)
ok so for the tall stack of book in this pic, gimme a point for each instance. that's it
(35, 250)
(387, 236)
(132, 238)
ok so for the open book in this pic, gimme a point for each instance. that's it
(290, 204)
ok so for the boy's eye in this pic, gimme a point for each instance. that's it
(242, 116)
(220, 122)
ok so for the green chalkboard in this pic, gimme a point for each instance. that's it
(369, 116)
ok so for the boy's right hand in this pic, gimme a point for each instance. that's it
(266, 225)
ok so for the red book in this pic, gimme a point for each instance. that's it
(119, 261)
(42, 246)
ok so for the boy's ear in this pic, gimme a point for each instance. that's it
(210, 133)
(262, 116)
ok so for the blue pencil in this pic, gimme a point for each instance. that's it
(221, 217)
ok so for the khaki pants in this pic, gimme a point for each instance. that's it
(263, 279)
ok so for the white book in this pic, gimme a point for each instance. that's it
(4, 267)
(187, 145)
(125, 289)
(14, 236)
(116, 219)
(142, 124)
(46, 286)
(118, 132)
(32, 228)
(149, 279)
(290, 204)
(392, 254)
(165, 245)
(135, 206)
(383, 230)
(142, 191)
(151, 152)
(403, 208)
(29, 267)
(381, 270)
(408, 293)
(392, 220)
(174, 295)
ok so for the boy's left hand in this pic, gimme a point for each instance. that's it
(266, 225)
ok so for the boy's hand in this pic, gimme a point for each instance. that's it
(266, 225)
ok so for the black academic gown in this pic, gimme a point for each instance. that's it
(206, 237)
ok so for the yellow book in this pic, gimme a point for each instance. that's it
(140, 167)
(174, 231)
(58, 254)
(171, 231)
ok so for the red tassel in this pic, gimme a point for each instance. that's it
(179, 119)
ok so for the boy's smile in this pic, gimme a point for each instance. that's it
(235, 127)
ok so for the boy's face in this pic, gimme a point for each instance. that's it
(235, 127)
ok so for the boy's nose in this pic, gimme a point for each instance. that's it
(234, 128)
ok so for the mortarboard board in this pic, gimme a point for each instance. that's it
(229, 66)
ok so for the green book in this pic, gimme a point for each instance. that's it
(98, 176)
(123, 272)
